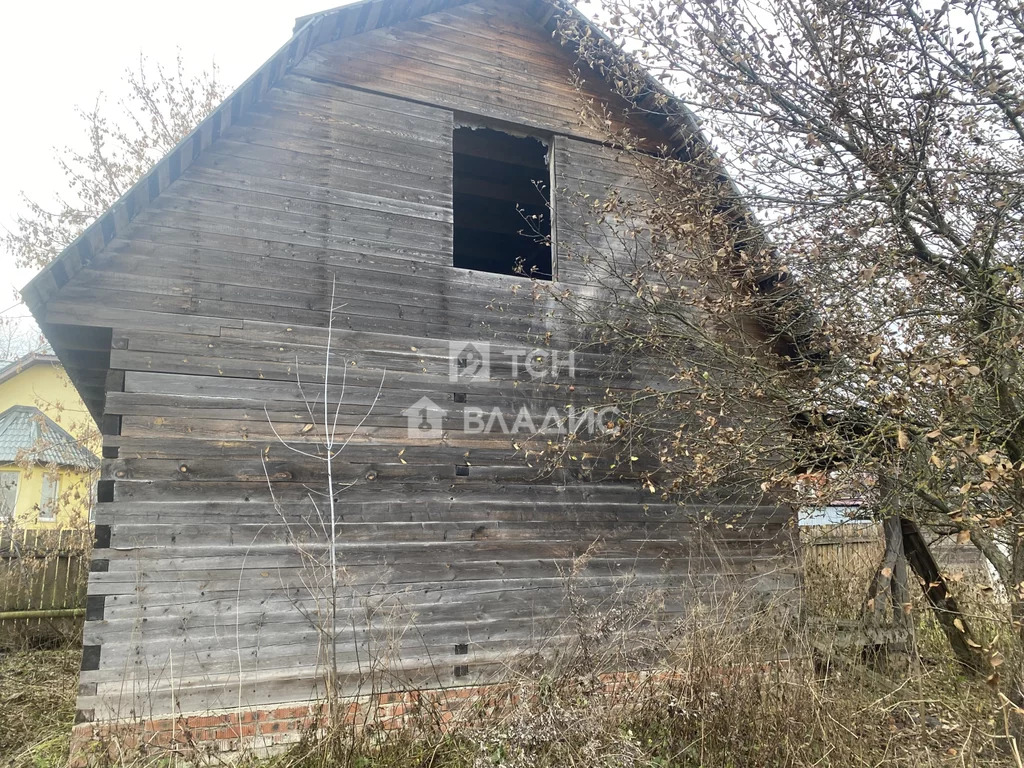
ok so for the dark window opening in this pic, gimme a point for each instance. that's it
(502, 221)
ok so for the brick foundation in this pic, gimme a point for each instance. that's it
(265, 731)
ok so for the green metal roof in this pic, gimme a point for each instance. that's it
(27, 434)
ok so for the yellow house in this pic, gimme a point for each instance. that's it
(48, 447)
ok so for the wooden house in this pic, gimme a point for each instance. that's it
(388, 156)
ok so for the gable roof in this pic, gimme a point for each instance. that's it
(672, 116)
(666, 114)
(27, 434)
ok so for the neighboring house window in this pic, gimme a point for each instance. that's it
(48, 499)
(8, 494)
(500, 187)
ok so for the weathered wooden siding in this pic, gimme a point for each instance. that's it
(217, 295)
(486, 59)
(597, 249)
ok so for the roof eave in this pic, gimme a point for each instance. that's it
(167, 170)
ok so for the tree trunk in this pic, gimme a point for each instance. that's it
(890, 586)
(900, 584)
(966, 649)
(875, 602)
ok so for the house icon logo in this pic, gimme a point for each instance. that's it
(425, 419)
(468, 361)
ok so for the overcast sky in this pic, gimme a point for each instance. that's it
(58, 55)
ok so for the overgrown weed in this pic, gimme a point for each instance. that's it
(37, 706)
(736, 684)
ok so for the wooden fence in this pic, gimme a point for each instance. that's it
(43, 581)
(840, 560)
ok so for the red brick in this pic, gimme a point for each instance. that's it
(387, 711)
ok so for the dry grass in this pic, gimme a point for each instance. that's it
(720, 713)
(731, 702)
(739, 688)
(37, 706)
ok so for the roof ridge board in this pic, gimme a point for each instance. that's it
(19, 408)
(5, 424)
(9, 415)
(26, 361)
(51, 424)
(166, 170)
(35, 354)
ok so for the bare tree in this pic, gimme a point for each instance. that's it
(18, 338)
(322, 441)
(847, 304)
(161, 107)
